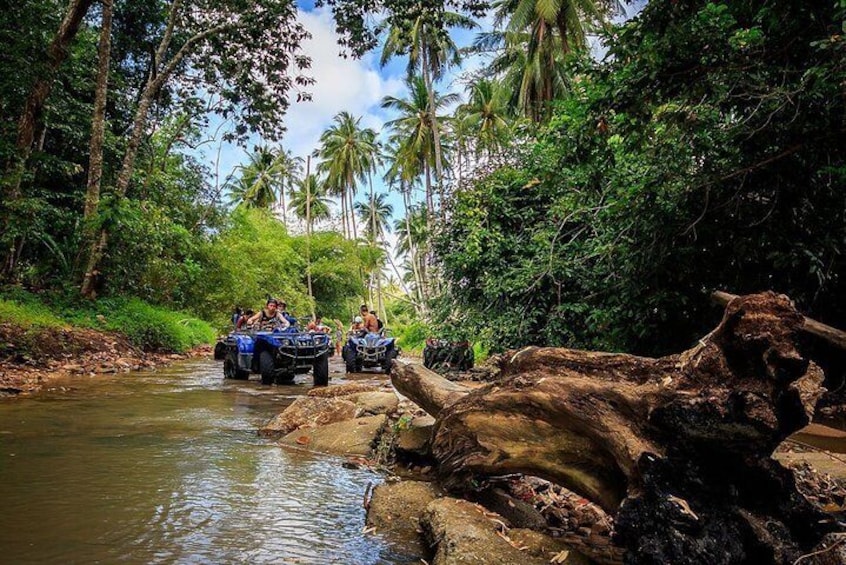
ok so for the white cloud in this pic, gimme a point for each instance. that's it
(352, 85)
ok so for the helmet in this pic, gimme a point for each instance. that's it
(358, 319)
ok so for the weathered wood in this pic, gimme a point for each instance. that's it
(428, 389)
(678, 447)
(823, 331)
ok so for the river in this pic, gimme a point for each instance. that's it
(166, 467)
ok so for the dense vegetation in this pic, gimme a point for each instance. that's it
(707, 152)
(560, 199)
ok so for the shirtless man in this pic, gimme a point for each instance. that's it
(371, 324)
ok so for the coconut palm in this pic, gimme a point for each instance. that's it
(486, 115)
(310, 200)
(422, 33)
(264, 178)
(533, 73)
(261, 179)
(293, 170)
(413, 130)
(348, 154)
(534, 42)
(375, 215)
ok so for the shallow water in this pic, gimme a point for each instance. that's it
(166, 467)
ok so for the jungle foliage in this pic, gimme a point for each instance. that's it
(705, 152)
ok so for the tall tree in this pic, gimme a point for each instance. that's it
(98, 122)
(262, 181)
(310, 201)
(537, 35)
(421, 32)
(348, 153)
(57, 52)
(218, 36)
(30, 117)
(414, 130)
(376, 215)
(486, 114)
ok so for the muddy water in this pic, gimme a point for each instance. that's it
(166, 468)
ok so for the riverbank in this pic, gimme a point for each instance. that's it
(504, 520)
(43, 337)
(73, 351)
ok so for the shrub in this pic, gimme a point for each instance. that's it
(147, 326)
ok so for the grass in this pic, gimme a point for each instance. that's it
(150, 327)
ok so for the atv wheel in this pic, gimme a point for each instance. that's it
(231, 370)
(267, 367)
(388, 362)
(285, 379)
(349, 359)
(320, 370)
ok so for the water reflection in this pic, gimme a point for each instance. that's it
(166, 468)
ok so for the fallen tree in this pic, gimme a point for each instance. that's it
(677, 449)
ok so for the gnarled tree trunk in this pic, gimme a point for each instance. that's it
(677, 448)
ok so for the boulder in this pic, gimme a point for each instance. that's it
(413, 441)
(462, 532)
(341, 390)
(395, 509)
(309, 411)
(376, 402)
(355, 437)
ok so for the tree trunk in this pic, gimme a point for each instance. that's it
(679, 448)
(436, 134)
(40, 91)
(344, 214)
(418, 280)
(30, 120)
(352, 211)
(308, 236)
(98, 122)
(152, 88)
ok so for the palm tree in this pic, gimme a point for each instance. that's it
(348, 153)
(486, 115)
(293, 169)
(376, 215)
(414, 129)
(403, 174)
(310, 200)
(412, 243)
(263, 178)
(534, 73)
(539, 33)
(422, 33)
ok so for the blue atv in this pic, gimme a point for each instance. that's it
(277, 355)
(369, 350)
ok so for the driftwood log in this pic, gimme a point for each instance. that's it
(678, 449)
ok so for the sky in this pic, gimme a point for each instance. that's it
(353, 85)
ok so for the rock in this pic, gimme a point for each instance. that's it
(371, 403)
(414, 440)
(341, 438)
(518, 512)
(395, 508)
(460, 533)
(341, 390)
(124, 363)
(73, 368)
(546, 547)
(309, 411)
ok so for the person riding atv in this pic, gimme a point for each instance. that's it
(269, 316)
